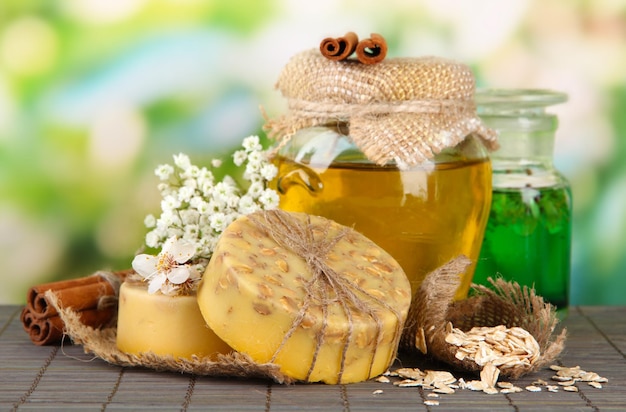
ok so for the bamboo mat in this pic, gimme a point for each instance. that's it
(54, 378)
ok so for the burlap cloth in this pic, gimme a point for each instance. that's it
(402, 109)
(102, 344)
(507, 304)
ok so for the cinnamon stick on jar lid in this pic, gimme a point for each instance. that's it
(339, 48)
(372, 50)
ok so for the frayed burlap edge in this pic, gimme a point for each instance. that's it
(102, 343)
(507, 304)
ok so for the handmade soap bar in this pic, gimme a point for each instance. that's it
(164, 325)
(314, 297)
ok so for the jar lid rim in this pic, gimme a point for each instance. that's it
(519, 97)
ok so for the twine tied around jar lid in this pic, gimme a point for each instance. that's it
(405, 110)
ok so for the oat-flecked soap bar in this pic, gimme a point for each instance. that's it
(163, 325)
(317, 298)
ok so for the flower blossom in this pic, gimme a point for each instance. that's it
(168, 269)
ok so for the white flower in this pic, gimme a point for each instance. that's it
(153, 239)
(251, 144)
(168, 268)
(164, 172)
(189, 217)
(255, 190)
(268, 171)
(170, 202)
(218, 222)
(168, 218)
(182, 161)
(269, 199)
(191, 232)
(247, 205)
(149, 221)
(239, 157)
(205, 175)
(185, 193)
(216, 162)
(255, 158)
(191, 183)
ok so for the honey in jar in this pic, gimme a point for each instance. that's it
(423, 216)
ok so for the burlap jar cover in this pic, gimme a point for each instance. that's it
(402, 109)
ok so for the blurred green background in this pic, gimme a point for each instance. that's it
(94, 94)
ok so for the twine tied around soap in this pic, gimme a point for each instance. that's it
(325, 287)
(402, 110)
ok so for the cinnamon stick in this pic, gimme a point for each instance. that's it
(339, 48)
(42, 331)
(372, 50)
(75, 293)
(92, 297)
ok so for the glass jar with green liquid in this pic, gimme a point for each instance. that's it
(528, 234)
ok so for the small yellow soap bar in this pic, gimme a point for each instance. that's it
(163, 325)
(314, 297)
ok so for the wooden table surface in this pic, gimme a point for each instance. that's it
(52, 378)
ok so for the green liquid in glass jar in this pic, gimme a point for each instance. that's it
(528, 240)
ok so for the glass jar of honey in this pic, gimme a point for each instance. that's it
(528, 236)
(394, 150)
(423, 216)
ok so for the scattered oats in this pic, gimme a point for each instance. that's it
(430, 402)
(570, 388)
(595, 384)
(552, 388)
(476, 385)
(505, 385)
(377, 392)
(489, 374)
(433, 395)
(438, 377)
(420, 341)
(567, 383)
(408, 383)
(444, 389)
(540, 382)
(383, 379)
(490, 391)
(410, 373)
(460, 355)
(588, 376)
(533, 388)
(514, 389)
(561, 378)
